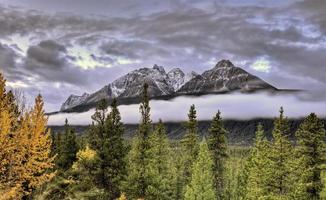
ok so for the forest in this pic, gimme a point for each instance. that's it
(36, 163)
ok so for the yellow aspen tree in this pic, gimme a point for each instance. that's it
(9, 187)
(36, 140)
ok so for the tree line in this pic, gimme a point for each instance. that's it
(102, 164)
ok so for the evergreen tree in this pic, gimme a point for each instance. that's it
(279, 171)
(97, 129)
(258, 164)
(310, 152)
(160, 164)
(190, 143)
(217, 143)
(114, 153)
(178, 180)
(67, 148)
(139, 174)
(202, 185)
(106, 138)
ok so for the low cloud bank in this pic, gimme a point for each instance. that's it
(232, 106)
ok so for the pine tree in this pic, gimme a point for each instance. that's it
(67, 148)
(279, 171)
(310, 152)
(217, 143)
(201, 185)
(160, 164)
(114, 153)
(190, 143)
(178, 179)
(139, 174)
(97, 129)
(258, 164)
(105, 137)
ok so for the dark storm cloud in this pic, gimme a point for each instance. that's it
(8, 64)
(47, 53)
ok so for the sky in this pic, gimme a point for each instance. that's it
(63, 47)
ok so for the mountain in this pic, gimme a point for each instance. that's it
(224, 77)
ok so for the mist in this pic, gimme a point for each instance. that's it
(233, 106)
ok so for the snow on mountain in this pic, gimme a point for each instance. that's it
(74, 100)
(223, 77)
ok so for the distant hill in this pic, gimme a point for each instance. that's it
(241, 132)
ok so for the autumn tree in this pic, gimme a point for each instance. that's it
(36, 148)
(10, 183)
(217, 143)
(25, 146)
(83, 185)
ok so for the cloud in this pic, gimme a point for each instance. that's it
(47, 53)
(233, 106)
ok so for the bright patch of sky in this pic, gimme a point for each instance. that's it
(261, 65)
(17, 84)
(83, 58)
(18, 43)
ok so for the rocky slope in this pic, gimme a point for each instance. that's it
(224, 77)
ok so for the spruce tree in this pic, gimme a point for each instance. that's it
(160, 164)
(177, 167)
(310, 152)
(258, 166)
(67, 148)
(114, 153)
(106, 138)
(201, 185)
(97, 130)
(139, 174)
(279, 170)
(217, 143)
(190, 143)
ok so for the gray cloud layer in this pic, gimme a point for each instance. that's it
(124, 35)
(233, 106)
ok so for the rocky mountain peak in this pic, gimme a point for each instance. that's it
(223, 77)
(224, 64)
(159, 68)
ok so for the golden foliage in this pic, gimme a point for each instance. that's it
(25, 146)
(122, 197)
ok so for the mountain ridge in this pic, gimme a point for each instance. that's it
(224, 77)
